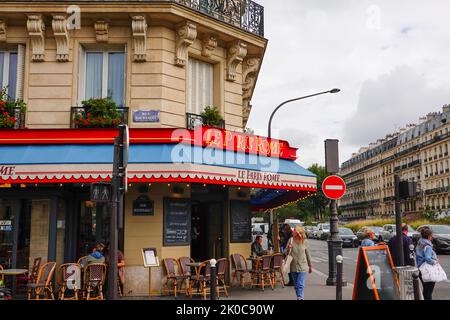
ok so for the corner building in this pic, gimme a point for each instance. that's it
(162, 63)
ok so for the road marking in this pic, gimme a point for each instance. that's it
(349, 284)
(334, 187)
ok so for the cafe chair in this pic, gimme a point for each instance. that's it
(185, 271)
(221, 268)
(203, 273)
(170, 268)
(43, 285)
(240, 270)
(261, 273)
(82, 261)
(94, 279)
(30, 277)
(69, 280)
(2, 276)
(276, 269)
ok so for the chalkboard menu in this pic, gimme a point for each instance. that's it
(143, 206)
(240, 221)
(375, 278)
(177, 222)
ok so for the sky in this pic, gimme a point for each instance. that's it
(391, 59)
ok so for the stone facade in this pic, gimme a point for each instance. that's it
(416, 153)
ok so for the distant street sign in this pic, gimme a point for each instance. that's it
(334, 187)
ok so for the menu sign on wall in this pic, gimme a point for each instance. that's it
(177, 222)
(143, 206)
(5, 225)
(240, 220)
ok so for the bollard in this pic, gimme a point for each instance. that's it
(212, 295)
(339, 267)
(416, 285)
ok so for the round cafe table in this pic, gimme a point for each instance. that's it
(13, 273)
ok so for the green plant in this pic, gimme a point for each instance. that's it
(428, 214)
(99, 113)
(211, 116)
(10, 109)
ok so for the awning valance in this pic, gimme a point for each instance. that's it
(150, 163)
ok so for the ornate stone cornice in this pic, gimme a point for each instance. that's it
(2, 30)
(36, 31)
(59, 26)
(209, 45)
(101, 30)
(236, 54)
(186, 35)
(250, 68)
(139, 27)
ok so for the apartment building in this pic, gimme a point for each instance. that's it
(418, 152)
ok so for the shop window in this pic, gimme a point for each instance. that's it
(11, 71)
(201, 85)
(102, 74)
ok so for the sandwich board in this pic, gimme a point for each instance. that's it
(375, 277)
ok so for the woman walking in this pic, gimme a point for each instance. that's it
(301, 260)
(426, 254)
(369, 235)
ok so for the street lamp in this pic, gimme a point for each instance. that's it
(292, 100)
(335, 90)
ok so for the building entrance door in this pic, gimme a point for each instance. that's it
(207, 230)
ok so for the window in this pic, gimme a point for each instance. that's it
(11, 71)
(201, 85)
(102, 74)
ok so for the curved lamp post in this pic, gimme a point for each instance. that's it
(292, 100)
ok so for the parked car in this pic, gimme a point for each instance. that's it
(389, 231)
(310, 231)
(348, 238)
(441, 237)
(323, 231)
(293, 222)
(376, 230)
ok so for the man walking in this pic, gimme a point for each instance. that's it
(406, 242)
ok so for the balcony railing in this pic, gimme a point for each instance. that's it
(79, 119)
(244, 14)
(12, 120)
(194, 120)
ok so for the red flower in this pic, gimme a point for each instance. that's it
(2, 103)
(13, 120)
(2, 109)
(88, 114)
(5, 114)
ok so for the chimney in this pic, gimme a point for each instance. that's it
(422, 120)
(430, 116)
(446, 108)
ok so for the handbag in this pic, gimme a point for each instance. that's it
(287, 261)
(432, 273)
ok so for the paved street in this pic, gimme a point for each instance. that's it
(319, 253)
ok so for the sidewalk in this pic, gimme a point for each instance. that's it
(315, 290)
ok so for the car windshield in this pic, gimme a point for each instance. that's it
(376, 229)
(345, 231)
(441, 229)
(326, 226)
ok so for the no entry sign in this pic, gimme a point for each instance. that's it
(334, 187)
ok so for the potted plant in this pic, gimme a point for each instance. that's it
(99, 113)
(211, 117)
(10, 110)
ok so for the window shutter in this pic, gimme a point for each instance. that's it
(81, 74)
(20, 70)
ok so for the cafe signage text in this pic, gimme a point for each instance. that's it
(258, 176)
(147, 116)
(7, 170)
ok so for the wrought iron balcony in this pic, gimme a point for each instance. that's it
(244, 14)
(194, 120)
(81, 118)
(12, 119)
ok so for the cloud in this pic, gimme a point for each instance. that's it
(393, 100)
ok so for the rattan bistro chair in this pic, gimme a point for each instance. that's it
(276, 269)
(43, 285)
(69, 279)
(200, 281)
(239, 266)
(172, 277)
(221, 269)
(261, 273)
(185, 271)
(94, 279)
(2, 277)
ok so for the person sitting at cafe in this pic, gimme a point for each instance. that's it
(97, 255)
(257, 248)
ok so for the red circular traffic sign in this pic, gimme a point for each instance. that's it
(333, 187)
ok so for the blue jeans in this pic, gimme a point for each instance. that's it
(299, 283)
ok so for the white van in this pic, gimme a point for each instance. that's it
(293, 222)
